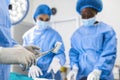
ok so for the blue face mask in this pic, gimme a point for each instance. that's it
(41, 25)
(89, 22)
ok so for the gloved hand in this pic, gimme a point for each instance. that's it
(73, 73)
(33, 49)
(55, 65)
(17, 55)
(34, 71)
(94, 75)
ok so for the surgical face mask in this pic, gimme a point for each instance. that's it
(41, 25)
(89, 22)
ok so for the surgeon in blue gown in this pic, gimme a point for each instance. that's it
(43, 36)
(10, 51)
(93, 45)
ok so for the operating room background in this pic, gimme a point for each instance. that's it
(67, 20)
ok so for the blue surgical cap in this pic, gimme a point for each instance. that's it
(95, 4)
(42, 9)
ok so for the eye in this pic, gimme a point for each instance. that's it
(41, 19)
(47, 19)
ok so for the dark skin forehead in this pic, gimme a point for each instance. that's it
(87, 13)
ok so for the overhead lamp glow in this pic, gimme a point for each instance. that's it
(18, 10)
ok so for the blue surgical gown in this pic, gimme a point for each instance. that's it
(5, 36)
(45, 39)
(93, 47)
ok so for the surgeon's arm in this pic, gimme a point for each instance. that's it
(60, 54)
(108, 56)
(59, 58)
(73, 54)
(17, 55)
